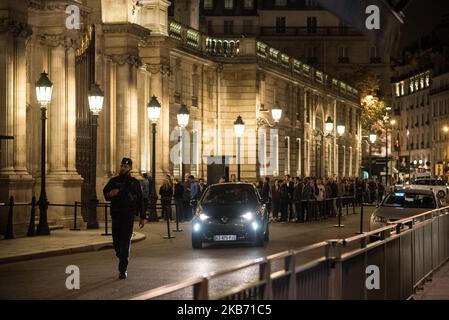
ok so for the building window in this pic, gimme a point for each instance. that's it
(228, 27)
(311, 3)
(263, 156)
(311, 24)
(280, 24)
(248, 4)
(229, 4)
(287, 150)
(281, 3)
(343, 55)
(208, 4)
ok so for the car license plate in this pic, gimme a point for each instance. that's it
(225, 238)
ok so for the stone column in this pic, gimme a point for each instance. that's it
(121, 46)
(14, 177)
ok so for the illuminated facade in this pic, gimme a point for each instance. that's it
(132, 50)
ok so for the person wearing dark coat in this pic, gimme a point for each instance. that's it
(179, 198)
(297, 197)
(276, 199)
(285, 201)
(166, 193)
(125, 195)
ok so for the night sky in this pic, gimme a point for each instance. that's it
(421, 17)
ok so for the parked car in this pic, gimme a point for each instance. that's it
(438, 186)
(230, 213)
(402, 204)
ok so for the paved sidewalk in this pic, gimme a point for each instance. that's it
(59, 242)
(438, 288)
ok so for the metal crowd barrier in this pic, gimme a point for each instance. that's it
(405, 252)
(9, 233)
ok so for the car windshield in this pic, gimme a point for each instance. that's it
(410, 200)
(229, 195)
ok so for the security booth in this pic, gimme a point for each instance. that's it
(217, 166)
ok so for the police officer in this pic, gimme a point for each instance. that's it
(125, 195)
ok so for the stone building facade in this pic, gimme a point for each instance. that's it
(133, 51)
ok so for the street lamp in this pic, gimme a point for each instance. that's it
(154, 113)
(183, 120)
(276, 113)
(329, 125)
(44, 88)
(95, 98)
(372, 139)
(341, 130)
(239, 129)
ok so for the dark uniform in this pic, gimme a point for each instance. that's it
(124, 207)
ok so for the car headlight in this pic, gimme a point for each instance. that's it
(203, 217)
(196, 227)
(380, 219)
(248, 216)
(255, 225)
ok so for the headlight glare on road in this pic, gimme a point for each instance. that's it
(196, 227)
(255, 225)
(248, 216)
(204, 217)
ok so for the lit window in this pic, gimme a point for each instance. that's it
(249, 4)
(398, 92)
(402, 88)
(281, 3)
(422, 83)
(427, 80)
(229, 4)
(208, 4)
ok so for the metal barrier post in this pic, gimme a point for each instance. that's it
(353, 205)
(347, 208)
(177, 220)
(32, 226)
(74, 218)
(106, 233)
(361, 219)
(339, 225)
(201, 290)
(9, 234)
(168, 236)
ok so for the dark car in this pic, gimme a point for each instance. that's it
(230, 213)
(402, 204)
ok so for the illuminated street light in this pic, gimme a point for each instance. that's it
(329, 125)
(341, 129)
(239, 128)
(276, 113)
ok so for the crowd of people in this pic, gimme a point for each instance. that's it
(290, 199)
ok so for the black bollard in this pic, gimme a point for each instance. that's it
(168, 236)
(75, 209)
(353, 205)
(9, 234)
(106, 233)
(32, 226)
(361, 219)
(177, 221)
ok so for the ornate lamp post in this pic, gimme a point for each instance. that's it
(372, 140)
(341, 130)
(44, 88)
(276, 113)
(329, 126)
(239, 129)
(154, 113)
(183, 120)
(95, 105)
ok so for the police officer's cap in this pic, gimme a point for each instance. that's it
(127, 161)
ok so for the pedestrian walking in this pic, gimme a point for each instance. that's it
(125, 195)
(166, 193)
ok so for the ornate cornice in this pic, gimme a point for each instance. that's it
(122, 59)
(17, 29)
(55, 40)
(163, 68)
(127, 28)
(55, 5)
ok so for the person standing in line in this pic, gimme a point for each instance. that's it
(125, 195)
(179, 196)
(166, 193)
(145, 185)
(297, 197)
(276, 200)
